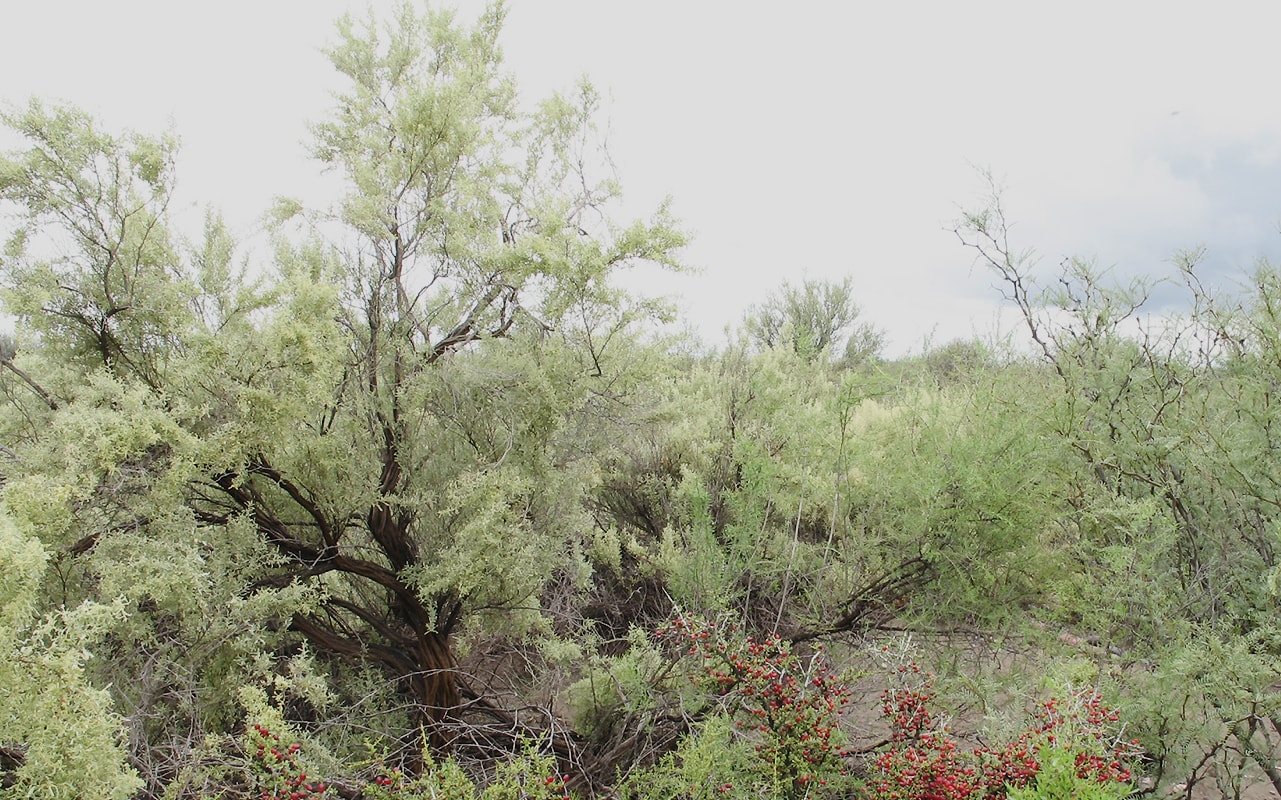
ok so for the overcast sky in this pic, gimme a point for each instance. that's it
(801, 139)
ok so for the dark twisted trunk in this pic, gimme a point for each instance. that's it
(410, 644)
(435, 686)
(422, 664)
(404, 636)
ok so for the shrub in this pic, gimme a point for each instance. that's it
(788, 707)
(275, 769)
(1073, 745)
(277, 772)
(1059, 778)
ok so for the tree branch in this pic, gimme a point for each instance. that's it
(259, 466)
(27, 379)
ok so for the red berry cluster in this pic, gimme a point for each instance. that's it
(386, 785)
(1090, 727)
(793, 705)
(554, 787)
(907, 706)
(925, 762)
(279, 775)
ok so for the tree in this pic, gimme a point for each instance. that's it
(814, 319)
(387, 421)
(1170, 492)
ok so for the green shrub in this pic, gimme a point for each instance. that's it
(1059, 779)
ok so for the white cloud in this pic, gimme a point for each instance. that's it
(817, 138)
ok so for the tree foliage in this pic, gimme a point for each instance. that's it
(412, 494)
(362, 453)
(816, 319)
(62, 737)
(1171, 522)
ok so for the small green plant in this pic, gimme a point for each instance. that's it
(531, 775)
(713, 762)
(1059, 778)
(276, 770)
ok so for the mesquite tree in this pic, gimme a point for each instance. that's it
(1170, 492)
(371, 436)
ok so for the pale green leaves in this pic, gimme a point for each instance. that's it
(418, 126)
(397, 407)
(817, 319)
(71, 737)
(224, 298)
(22, 563)
(452, 187)
(284, 209)
(92, 264)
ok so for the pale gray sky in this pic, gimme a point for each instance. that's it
(817, 139)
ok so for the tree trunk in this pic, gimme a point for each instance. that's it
(435, 688)
(423, 666)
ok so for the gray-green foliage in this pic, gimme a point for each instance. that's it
(368, 451)
(816, 319)
(1170, 528)
(91, 199)
(69, 735)
(236, 498)
(821, 501)
(712, 762)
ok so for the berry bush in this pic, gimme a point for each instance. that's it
(790, 709)
(925, 762)
(789, 706)
(276, 769)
